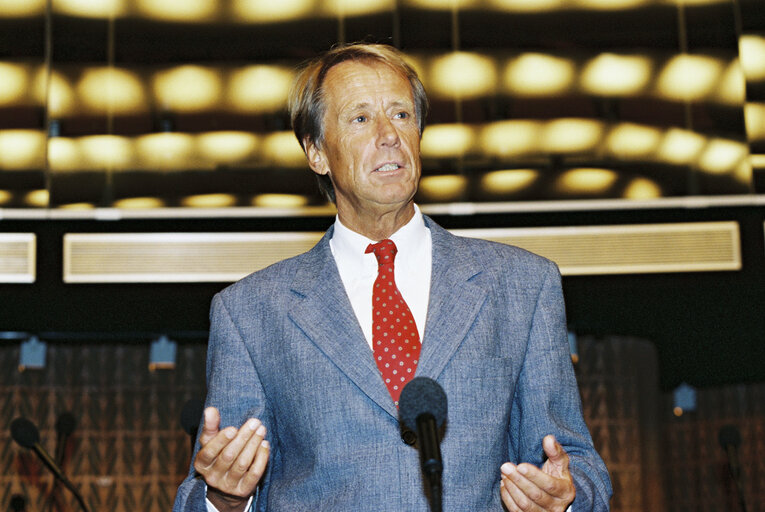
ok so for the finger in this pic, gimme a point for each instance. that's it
(257, 468)
(210, 451)
(557, 459)
(246, 456)
(210, 426)
(526, 494)
(227, 462)
(507, 499)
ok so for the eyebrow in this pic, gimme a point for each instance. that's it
(365, 104)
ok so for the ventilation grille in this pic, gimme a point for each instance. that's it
(176, 257)
(629, 249)
(17, 257)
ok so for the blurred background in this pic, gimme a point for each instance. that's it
(146, 161)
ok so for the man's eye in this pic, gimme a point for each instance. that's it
(402, 115)
(359, 119)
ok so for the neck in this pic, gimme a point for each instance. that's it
(379, 225)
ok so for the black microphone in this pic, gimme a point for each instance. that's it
(730, 439)
(191, 416)
(422, 409)
(25, 433)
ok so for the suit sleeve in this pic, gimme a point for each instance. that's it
(547, 401)
(234, 388)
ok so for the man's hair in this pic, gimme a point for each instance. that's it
(306, 100)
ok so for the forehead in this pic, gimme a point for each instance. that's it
(359, 82)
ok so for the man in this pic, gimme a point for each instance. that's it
(294, 373)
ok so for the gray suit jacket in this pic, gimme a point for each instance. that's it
(285, 347)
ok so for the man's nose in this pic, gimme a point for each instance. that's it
(387, 135)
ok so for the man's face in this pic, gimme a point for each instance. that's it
(371, 148)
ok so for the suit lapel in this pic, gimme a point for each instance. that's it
(454, 301)
(322, 310)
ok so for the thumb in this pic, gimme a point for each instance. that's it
(557, 458)
(211, 425)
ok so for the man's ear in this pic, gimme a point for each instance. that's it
(317, 160)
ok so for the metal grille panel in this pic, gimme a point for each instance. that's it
(18, 257)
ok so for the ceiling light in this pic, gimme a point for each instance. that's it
(282, 149)
(64, 155)
(752, 51)
(616, 75)
(722, 156)
(76, 206)
(442, 188)
(642, 188)
(754, 114)
(209, 201)
(268, 11)
(447, 140)
(463, 75)
(21, 8)
(54, 91)
(689, 77)
(536, 74)
(227, 147)
(111, 90)
(444, 5)
(22, 149)
(611, 5)
(138, 203)
(571, 135)
(680, 147)
(629, 141)
(527, 5)
(357, 7)
(166, 151)
(5, 196)
(508, 181)
(108, 151)
(586, 181)
(260, 88)
(505, 139)
(732, 87)
(279, 200)
(90, 8)
(38, 198)
(187, 88)
(13, 82)
(179, 10)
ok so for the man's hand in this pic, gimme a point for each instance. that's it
(525, 487)
(231, 461)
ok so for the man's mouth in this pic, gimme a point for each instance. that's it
(388, 167)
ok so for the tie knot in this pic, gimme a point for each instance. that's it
(385, 251)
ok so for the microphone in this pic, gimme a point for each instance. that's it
(191, 416)
(422, 409)
(65, 425)
(729, 438)
(25, 433)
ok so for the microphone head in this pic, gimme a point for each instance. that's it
(66, 423)
(191, 415)
(422, 395)
(24, 432)
(729, 436)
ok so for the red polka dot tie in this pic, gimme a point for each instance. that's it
(395, 341)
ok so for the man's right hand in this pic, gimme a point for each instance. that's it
(231, 461)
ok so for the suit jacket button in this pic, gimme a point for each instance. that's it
(409, 437)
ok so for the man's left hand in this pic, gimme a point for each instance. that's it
(526, 488)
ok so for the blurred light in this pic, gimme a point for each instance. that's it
(260, 88)
(58, 95)
(463, 75)
(444, 5)
(166, 150)
(616, 75)
(642, 188)
(107, 151)
(447, 140)
(527, 5)
(270, 11)
(77, 206)
(209, 201)
(732, 87)
(138, 203)
(227, 147)
(443, 188)
(179, 10)
(689, 77)
(162, 354)
(754, 114)
(111, 90)
(64, 154)
(509, 181)
(752, 50)
(536, 74)
(722, 156)
(279, 200)
(684, 399)
(757, 161)
(586, 180)
(187, 88)
(571, 135)
(21, 8)
(90, 8)
(610, 5)
(5, 196)
(680, 147)
(13, 82)
(629, 140)
(22, 149)
(356, 7)
(282, 148)
(39, 198)
(511, 138)
(744, 172)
